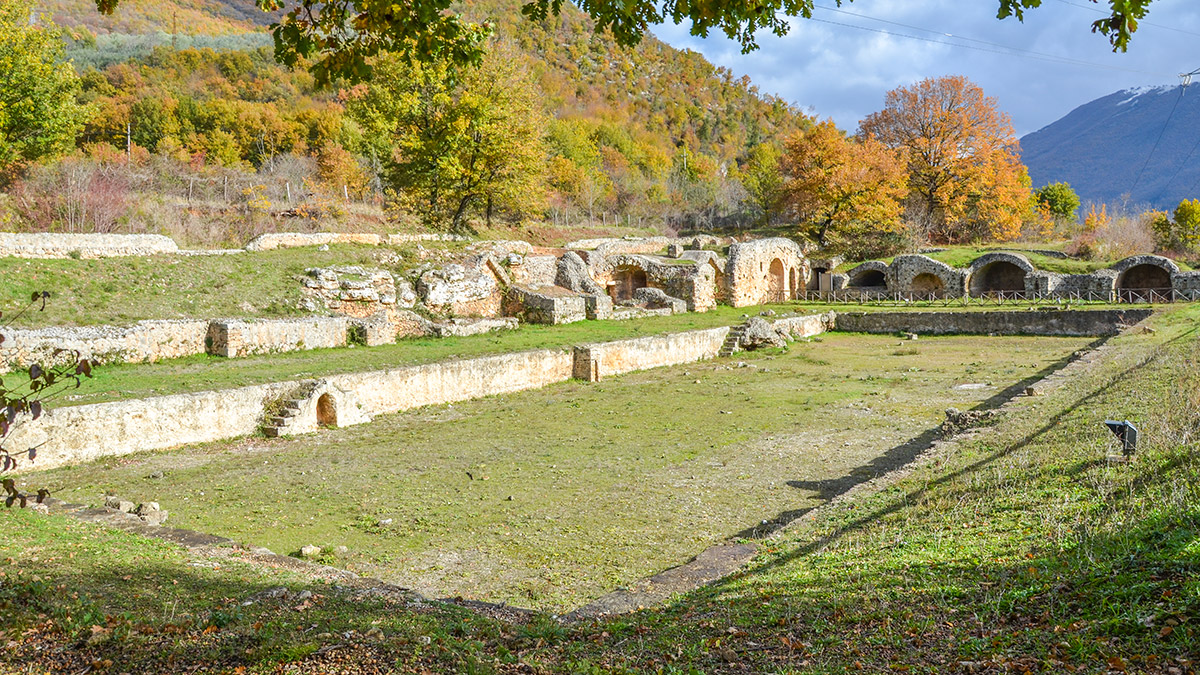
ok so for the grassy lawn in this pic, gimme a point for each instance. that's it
(550, 498)
(121, 291)
(1016, 550)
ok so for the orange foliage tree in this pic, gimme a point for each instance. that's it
(834, 185)
(965, 175)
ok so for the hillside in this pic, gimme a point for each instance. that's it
(135, 17)
(1101, 147)
(644, 137)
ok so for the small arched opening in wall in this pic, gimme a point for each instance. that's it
(928, 284)
(777, 281)
(326, 411)
(626, 280)
(1142, 283)
(997, 278)
(869, 279)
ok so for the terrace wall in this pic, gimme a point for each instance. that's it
(1081, 323)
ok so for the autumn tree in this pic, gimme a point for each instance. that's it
(39, 115)
(340, 38)
(964, 173)
(461, 142)
(1179, 231)
(836, 185)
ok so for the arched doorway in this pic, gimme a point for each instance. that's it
(626, 280)
(928, 284)
(869, 279)
(1142, 283)
(777, 281)
(326, 411)
(1000, 277)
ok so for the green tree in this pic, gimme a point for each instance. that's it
(339, 37)
(1059, 200)
(39, 114)
(461, 143)
(1180, 232)
(763, 181)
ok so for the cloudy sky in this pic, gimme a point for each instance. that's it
(842, 63)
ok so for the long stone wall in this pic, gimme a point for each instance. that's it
(1080, 323)
(145, 341)
(66, 245)
(236, 337)
(596, 361)
(75, 434)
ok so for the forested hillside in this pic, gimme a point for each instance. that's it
(649, 135)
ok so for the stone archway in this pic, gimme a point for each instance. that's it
(869, 279)
(999, 277)
(927, 284)
(326, 411)
(1141, 283)
(626, 280)
(777, 281)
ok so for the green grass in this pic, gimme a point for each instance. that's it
(124, 290)
(551, 498)
(1020, 550)
(203, 373)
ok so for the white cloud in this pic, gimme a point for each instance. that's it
(843, 72)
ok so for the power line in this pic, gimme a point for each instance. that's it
(1156, 142)
(1055, 57)
(1140, 23)
(1006, 51)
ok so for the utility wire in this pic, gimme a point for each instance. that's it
(1006, 51)
(1140, 23)
(1055, 57)
(1160, 137)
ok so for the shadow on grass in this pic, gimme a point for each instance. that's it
(897, 457)
(914, 496)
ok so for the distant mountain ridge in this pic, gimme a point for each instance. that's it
(1101, 147)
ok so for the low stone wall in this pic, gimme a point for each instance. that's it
(274, 240)
(70, 435)
(234, 338)
(450, 381)
(63, 245)
(596, 361)
(145, 341)
(1080, 323)
(806, 326)
(82, 433)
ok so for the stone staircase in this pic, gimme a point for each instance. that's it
(281, 424)
(733, 341)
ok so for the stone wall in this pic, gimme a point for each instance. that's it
(145, 341)
(460, 290)
(923, 275)
(545, 304)
(765, 270)
(691, 281)
(70, 435)
(805, 326)
(596, 361)
(1080, 323)
(274, 240)
(62, 245)
(235, 337)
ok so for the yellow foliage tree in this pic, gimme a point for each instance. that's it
(833, 184)
(965, 176)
